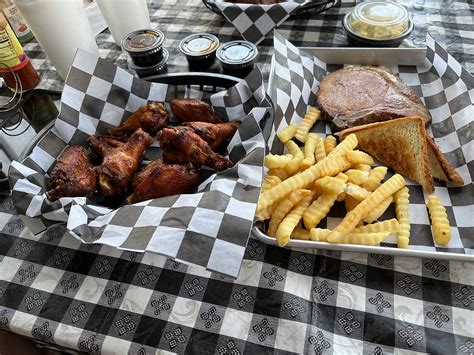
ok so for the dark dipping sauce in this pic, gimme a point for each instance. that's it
(157, 69)
(237, 58)
(200, 50)
(145, 47)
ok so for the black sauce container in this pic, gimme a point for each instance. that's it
(237, 58)
(159, 68)
(145, 47)
(200, 50)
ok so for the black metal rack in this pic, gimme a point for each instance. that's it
(307, 9)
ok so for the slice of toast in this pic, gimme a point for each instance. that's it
(441, 168)
(400, 144)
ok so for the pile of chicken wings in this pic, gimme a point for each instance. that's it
(186, 147)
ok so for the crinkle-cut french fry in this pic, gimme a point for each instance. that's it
(294, 150)
(341, 197)
(439, 220)
(319, 150)
(319, 234)
(353, 217)
(350, 203)
(357, 192)
(329, 144)
(327, 167)
(273, 161)
(269, 182)
(306, 123)
(291, 220)
(365, 238)
(300, 233)
(341, 176)
(376, 176)
(266, 213)
(288, 133)
(309, 148)
(378, 210)
(349, 143)
(357, 177)
(330, 185)
(403, 217)
(390, 225)
(284, 207)
(363, 167)
(280, 172)
(318, 210)
(358, 157)
(293, 165)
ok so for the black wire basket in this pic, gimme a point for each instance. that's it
(307, 9)
(206, 82)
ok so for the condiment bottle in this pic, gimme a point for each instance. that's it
(16, 20)
(15, 65)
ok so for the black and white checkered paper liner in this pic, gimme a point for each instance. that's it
(445, 87)
(208, 228)
(255, 21)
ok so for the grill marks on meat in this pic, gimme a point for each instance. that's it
(73, 175)
(353, 96)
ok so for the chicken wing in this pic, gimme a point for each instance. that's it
(191, 110)
(151, 118)
(118, 167)
(214, 134)
(103, 145)
(73, 175)
(185, 145)
(159, 179)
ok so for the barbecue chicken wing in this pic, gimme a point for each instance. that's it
(182, 144)
(121, 163)
(103, 145)
(190, 110)
(214, 134)
(73, 175)
(159, 179)
(151, 118)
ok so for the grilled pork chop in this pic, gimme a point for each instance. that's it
(355, 95)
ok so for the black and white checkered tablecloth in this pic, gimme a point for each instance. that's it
(100, 299)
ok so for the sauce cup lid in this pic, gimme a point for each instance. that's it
(143, 40)
(199, 45)
(237, 53)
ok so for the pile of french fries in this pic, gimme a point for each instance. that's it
(302, 186)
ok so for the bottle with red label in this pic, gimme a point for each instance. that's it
(15, 66)
(16, 20)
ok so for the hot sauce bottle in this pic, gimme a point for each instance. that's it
(15, 66)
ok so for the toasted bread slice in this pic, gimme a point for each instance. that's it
(400, 144)
(441, 168)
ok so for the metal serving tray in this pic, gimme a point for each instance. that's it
(361, 56)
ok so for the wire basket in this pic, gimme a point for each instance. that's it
(307, 9)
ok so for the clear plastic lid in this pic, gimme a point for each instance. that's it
(379, 20)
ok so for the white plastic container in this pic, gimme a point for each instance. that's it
(124, 16)
(61, 27)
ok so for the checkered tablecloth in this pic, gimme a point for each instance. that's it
(100, 299)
